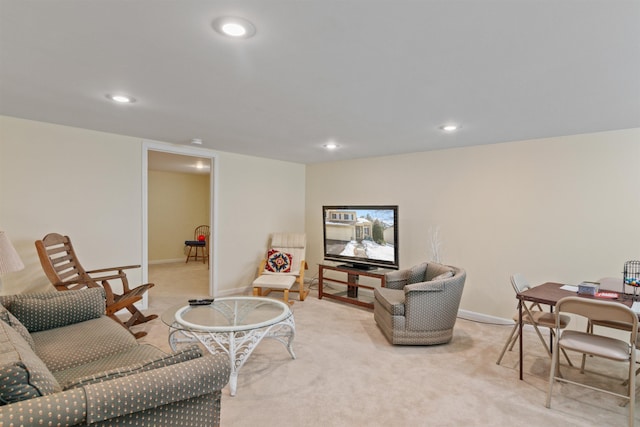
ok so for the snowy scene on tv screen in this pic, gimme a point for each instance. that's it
(361, 233)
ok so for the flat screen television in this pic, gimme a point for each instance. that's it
(362, 236)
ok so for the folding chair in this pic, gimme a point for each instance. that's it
(597, 345)
(533, 315)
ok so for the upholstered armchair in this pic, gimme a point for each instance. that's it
(419, 305)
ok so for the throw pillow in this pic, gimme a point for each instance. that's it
(444, 275)
(15, 385)
(278, 262)
(4, 314)
(11, 320)
(22, 373)
(417, 273)
(39, 314)
(192, 352)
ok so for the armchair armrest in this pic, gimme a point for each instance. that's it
(432, 286)
(120, 275)
(303, 266)
(121, 396)
(104, 270)
(396, 279)
(263, 264)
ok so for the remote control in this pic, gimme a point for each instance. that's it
(205, 301)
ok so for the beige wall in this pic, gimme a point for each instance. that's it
(88, 184)
(178, 203)
(256, 197)
(72, 181)
(559, 209)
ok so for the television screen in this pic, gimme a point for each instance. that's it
(363, 237)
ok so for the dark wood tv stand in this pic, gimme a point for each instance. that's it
(352, 283)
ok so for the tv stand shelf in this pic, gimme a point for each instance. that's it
(352, 283)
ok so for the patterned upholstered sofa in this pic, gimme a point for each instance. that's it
(419, 305)
(63, 363)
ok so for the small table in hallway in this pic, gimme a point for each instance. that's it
(233, 325)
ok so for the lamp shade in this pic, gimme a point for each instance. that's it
(9, 259)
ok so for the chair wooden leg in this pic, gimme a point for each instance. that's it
(257, 292)
(137, 317)
(303, 292)
(136, 335)
(301, 289)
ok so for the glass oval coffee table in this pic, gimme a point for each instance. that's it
(233, 325)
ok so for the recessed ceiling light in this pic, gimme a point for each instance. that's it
(330, 146)
(450, 127)
(122, 99)
(234, 27)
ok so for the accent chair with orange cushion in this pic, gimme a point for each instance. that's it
(283, 267)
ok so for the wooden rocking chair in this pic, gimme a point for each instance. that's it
(61, 266)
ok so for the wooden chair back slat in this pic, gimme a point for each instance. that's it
(64, 271)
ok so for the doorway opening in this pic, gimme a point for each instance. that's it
(178, 183)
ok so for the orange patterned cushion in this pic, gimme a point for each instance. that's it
(278, 262)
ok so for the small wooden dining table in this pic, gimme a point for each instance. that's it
(550, 293)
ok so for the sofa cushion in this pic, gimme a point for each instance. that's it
(39, 314)
(435, 269)
(416, 273)
(392, 300)
(124, 370)
(104, 335)
(11, 320)
(15, 385)
(126, 357)
(443, 276)
(24, 374)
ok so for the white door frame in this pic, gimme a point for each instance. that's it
(213, 182)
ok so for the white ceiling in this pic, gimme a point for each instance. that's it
(378, 77)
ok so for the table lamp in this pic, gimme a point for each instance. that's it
(9, 259)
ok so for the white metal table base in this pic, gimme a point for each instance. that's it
(237, 345)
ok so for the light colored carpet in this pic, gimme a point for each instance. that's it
(347, 374)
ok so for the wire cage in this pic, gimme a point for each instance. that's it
(631, 275)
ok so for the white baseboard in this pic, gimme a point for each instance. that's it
(166, 261)
(485, 318)
(494, 320)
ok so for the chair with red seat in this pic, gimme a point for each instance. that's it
(200, 241)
